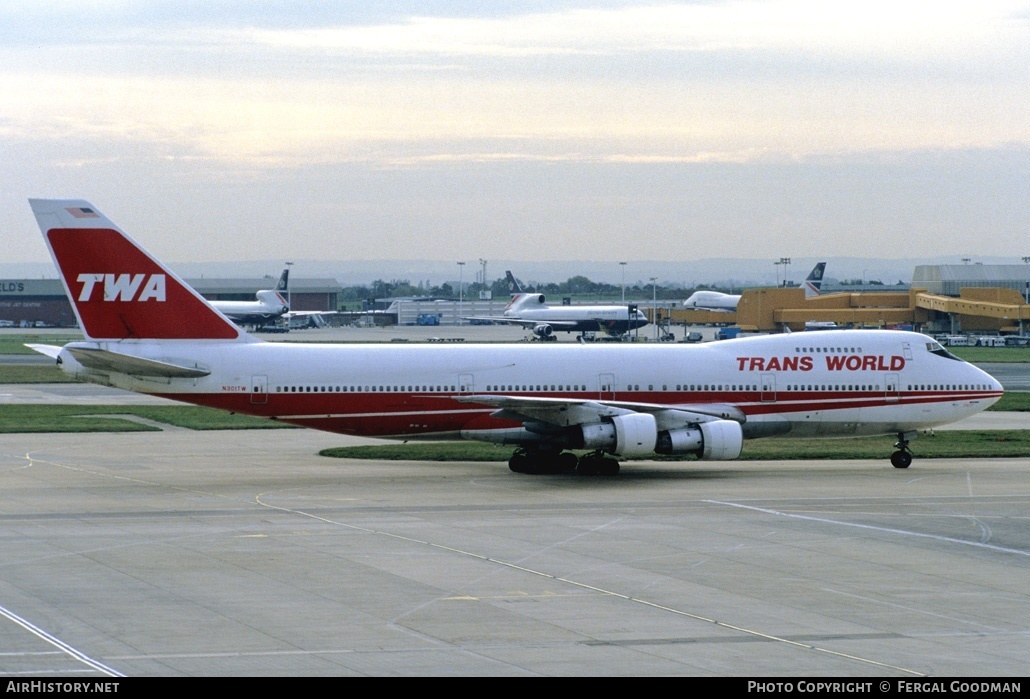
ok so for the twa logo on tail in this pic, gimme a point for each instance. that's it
(118, 289)
(123, 287)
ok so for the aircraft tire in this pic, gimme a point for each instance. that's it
(518, 463)
(901, 459)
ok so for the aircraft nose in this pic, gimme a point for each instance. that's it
(992, 382)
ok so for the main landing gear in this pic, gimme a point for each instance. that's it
(902, 458)
(551, 461)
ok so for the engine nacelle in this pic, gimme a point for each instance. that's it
(687, 440)
(723, 439)
(718, 440)
(625, 435)
(543, 330)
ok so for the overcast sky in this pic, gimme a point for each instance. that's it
(584, 130)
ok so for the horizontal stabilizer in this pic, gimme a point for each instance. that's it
(51, 351)
(105, 360)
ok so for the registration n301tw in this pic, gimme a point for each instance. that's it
(147, 331)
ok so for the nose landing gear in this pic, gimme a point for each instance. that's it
(902, 458)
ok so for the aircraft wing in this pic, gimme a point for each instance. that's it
(564, 412)
(106, 360)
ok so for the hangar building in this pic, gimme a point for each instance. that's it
(949, 280)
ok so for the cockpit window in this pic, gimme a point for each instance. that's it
(936, 348)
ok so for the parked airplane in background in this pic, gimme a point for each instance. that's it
(532, 311)
(269, 306)
(727, 303)
(147, 331)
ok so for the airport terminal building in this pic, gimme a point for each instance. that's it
(949, 280)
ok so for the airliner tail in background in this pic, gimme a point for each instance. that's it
(727, 303)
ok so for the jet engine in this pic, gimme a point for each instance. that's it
(543, 331)
(626, 435)
(718, 440)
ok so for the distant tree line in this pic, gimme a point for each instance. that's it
(577, 287)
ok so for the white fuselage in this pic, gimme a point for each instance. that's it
(712, 301)
(823, 384)
(268, 306)
(529, 309)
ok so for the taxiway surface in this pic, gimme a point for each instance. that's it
(245, 553)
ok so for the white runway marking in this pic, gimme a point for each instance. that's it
(886, 530)
(58, 643)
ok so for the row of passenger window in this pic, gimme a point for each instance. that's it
(948, 387)
(365, 389)
(630, 387)
(828, 350)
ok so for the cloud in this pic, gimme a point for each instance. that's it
(676, 82)
(142, 103)
(876, 26)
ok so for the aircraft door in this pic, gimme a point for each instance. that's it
(892, 388)
(768, 388)
(258, 390)
(606, 386)
(466, 383)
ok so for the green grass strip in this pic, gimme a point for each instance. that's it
(1016, 402)
(94, 418)
(992, 354)
(33, 373)
(15, 344)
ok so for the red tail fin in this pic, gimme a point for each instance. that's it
(119, 291)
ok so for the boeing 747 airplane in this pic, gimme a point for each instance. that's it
(147, 331)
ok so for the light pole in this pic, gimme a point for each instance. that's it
(461, 294)
(623, 265)
(1026, 295)
(654, 305)
(783, 261)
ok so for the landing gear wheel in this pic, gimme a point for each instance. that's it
(901, 459)
(538, 462)
(565, 462)
(519, 462)
(597, 465)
